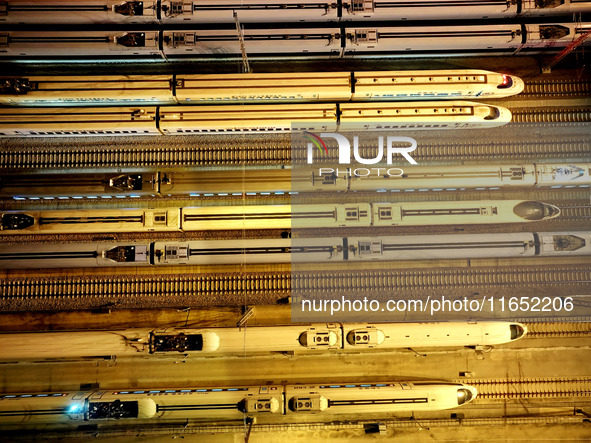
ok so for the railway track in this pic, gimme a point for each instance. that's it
(554, 115)
(521, 388)
(558, 330)
(182, 152)
(575, 212)
(555, 88)
(280, 284)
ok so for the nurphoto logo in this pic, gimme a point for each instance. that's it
(394, 145)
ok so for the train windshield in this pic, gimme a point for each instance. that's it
(535, 210)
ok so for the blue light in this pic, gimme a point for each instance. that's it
(74, 408)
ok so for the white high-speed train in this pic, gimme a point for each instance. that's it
(245, 119)
(272, 11)
(233, 402)
(211, 342)
(257, 88)
(275, 217)
(197, 183)
(296, 250)
(276, 43)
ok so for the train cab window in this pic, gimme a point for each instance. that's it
(351, 214)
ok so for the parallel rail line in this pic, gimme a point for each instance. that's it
(558, 330)
(555, 88)
(527, 387)
(219, 151)
(281, 283)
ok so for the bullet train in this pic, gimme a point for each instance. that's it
(327, 400)
(211, 342)
(296, 250)
(277, 43)
(250, 11)
(244, 119)
(299, 179)
(275, 217)
(247, 88)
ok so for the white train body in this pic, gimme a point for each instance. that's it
(419, 177)
(68, 408)
(56, 122)
(212, 342)
(276, 217)
(297, 250)
(257, 88)
(421, 10)
(252, 11)
(324, 43)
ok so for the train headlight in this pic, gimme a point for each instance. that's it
(507, 82)
(74, 408)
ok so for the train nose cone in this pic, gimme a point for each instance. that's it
(466, 394)
(517, 331)
(518, 85)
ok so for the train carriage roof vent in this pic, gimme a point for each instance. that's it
(365, 36)
(362, 6)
